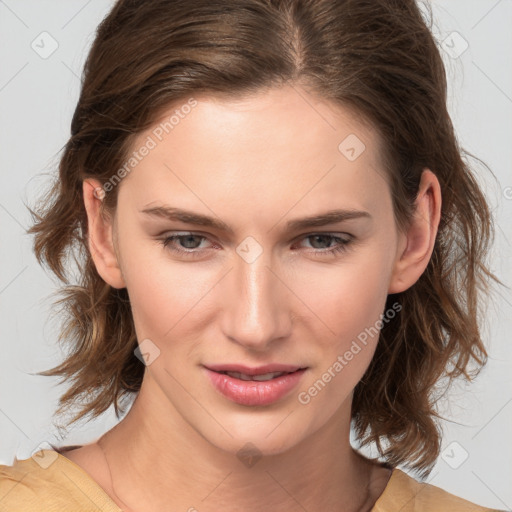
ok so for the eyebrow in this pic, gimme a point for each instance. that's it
(189, 217)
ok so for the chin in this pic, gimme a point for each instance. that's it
(259, 437)
(250, 449)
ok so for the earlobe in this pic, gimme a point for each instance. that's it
(416, 245)
(100, 235)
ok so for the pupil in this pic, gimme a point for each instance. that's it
(315, 237)
(187, 240)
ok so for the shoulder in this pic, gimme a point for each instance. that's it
(406, 494)
(48, 481)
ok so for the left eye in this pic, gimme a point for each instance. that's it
(326, 237)
(190, 247)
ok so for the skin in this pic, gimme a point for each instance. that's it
(254, 164)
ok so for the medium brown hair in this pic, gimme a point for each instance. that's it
(377, 58)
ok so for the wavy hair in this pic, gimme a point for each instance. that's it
(376, 57)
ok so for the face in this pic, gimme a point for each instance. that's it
(255, 287)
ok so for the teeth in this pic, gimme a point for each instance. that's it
(262, 377)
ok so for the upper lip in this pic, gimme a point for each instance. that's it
(256, 370)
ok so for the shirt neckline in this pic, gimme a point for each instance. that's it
(89, 481)
(381, 500)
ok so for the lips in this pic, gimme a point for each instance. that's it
(257, 370)
(252, 386)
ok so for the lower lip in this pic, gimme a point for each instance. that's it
(252, 392)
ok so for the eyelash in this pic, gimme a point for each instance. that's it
(195, 253)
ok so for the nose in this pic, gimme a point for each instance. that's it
(257, 303)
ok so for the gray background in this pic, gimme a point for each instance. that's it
(38, 93)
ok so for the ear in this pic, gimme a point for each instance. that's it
(100, 235)
(417, 244)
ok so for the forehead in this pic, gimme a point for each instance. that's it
(279, 142)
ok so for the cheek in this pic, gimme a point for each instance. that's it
(168, 298)
(350, 301)
(350, 297)
(158, 292)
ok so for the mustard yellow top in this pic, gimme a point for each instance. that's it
(50, 482)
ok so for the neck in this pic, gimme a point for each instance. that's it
(159, 464)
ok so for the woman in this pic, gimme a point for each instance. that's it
(216, 146)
